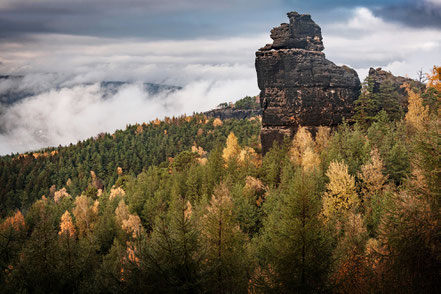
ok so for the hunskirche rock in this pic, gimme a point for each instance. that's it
(299, 86)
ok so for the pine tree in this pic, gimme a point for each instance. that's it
(169, 262)
(294, 248)
(367, 104)
(12, 237)
(225, 264)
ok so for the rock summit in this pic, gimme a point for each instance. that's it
(299, 86)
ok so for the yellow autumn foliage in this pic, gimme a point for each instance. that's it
(253, 184)
(139, 129)
(434, 79)
(417, 114)
(122, 211)
(248, 155)
(310, 160)
(188, 211)
(301, 141)
(322, 138)
(66, 226)
(302, 151)
(132, 225)
(340, 196)
(116, 191)
(85, 215)
(232, 148)
(202, 161)
(217, 122)
(16, 222)
(60, 194)
(372, 176)
(199, 150)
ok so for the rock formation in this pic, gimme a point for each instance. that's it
(227, 113)
(299, 86)
(380, 78)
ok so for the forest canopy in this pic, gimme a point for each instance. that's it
(190, 205)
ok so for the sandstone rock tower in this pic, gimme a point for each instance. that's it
(299, 86)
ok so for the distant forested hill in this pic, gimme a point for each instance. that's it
(26, 177)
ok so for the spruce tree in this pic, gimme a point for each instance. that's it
(294, 248)
(226, 263)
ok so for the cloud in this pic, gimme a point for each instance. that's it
(67, 108)
(67, 115)
(151, 19)
(414, 13)
(92, 59)
(366, 40)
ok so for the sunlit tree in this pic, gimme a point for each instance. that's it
(340, 196)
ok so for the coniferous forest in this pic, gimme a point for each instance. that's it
(190, 205)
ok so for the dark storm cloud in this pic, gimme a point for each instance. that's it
(420, 13)
(149, 19)
(157, 19)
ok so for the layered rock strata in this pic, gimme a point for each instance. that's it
(299, 86)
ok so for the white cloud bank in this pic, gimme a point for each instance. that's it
(210, 71)
(71, 114)
(66, 110)
(365, 40)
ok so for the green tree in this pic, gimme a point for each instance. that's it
(170, 261)
(226, 263)
(294, 247)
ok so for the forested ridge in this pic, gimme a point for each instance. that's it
(26, 177)
(189, 205)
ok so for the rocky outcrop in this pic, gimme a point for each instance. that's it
(381, 78)
(299, 86)
(230, 112)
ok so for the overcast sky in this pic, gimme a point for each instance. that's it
(205, 46)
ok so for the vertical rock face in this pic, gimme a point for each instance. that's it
(299, 86)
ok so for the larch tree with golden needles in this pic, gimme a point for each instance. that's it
(301, 142)
(372, 177)
(302, 152)
(85, 215)
(417, 114)
(434, 79)
(341, 195)
(66, 226)
(67, 240)
(232, 149)
(352, 272)
(372, 186)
